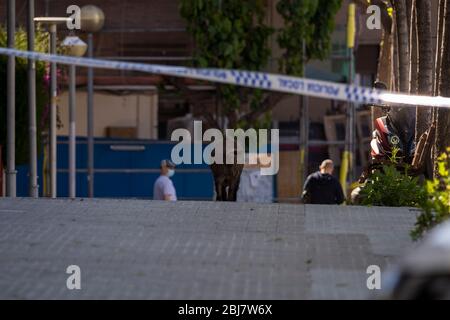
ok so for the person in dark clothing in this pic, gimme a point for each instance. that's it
(322, 187)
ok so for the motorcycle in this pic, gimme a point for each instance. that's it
(389, 147)
(386, 139)
(393, 142)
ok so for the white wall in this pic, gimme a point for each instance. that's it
(135, 110)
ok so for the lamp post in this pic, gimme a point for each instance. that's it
(304, 128)
(76, 48)
(11, 101)
(32, 131)
(52, 22)
(348, 159)
(92, 20)
(351, 33)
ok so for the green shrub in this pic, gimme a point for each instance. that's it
(392, 187)
(436, 207)
(41, 44)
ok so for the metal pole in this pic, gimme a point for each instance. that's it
(301, 144)
(350, 132)
(352, 123)
(72, 132)
(90, 119)
(304, 129)
(1, 171)
(53, 96)
(305, 103)
(11, 112)
(33, 184)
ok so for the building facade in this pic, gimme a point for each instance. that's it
(140, 106)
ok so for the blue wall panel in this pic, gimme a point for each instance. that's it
(110, 182)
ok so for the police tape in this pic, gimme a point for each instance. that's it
(252, 79)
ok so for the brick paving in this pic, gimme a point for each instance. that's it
(135, 249)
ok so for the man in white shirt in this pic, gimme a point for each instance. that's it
(163, 188)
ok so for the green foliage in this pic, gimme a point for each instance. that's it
(436, 208)
(392, 187)
(233, 34)
(41, 44)
(309, 21)
(229, 34)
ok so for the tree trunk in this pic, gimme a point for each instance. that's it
(227, 176)
(410, 8)
(403, 44)
(437, 74)
(425, 74)
(226, 180)
(395, 59)
(439, 46)
(403, 118)
(414, 48)
(384, 70)
(443, 114)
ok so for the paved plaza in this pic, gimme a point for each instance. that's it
(135, 249)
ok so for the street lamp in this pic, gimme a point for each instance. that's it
(11, 111)
(77, 48)
(52, 22)
(351, 35)
(92, 20)
(304, 127)
(32, 131)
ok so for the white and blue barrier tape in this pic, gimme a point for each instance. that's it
(252, 79)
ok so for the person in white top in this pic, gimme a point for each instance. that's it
(163, 188)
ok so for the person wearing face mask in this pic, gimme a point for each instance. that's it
(163, 188)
